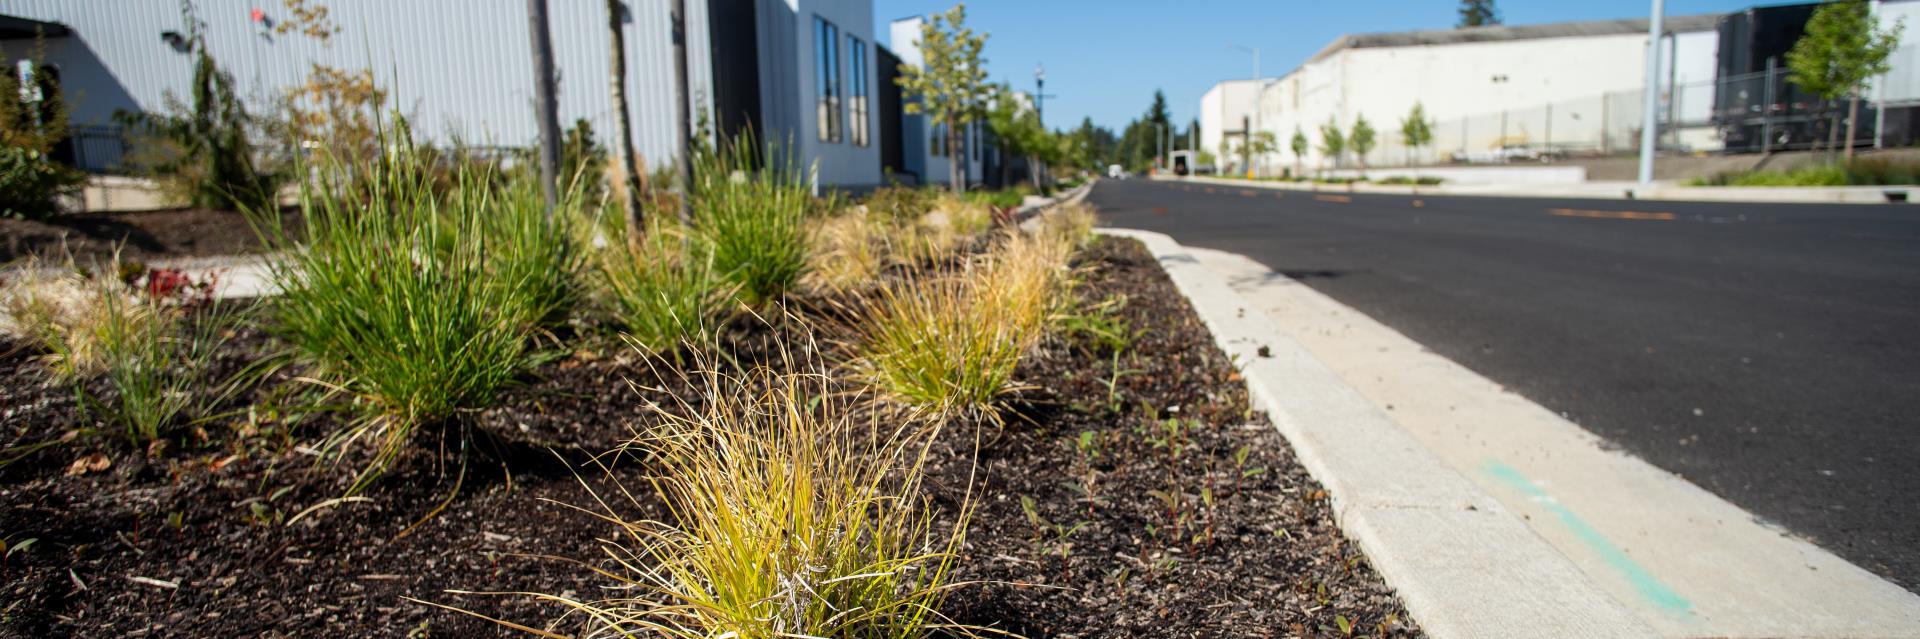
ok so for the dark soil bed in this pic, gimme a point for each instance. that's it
(1158, 505)
(140, 236)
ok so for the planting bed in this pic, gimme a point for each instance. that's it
(142, 235)
(1131, 492)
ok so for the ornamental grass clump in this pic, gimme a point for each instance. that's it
(750, 216)
(788, 518)
(850, 250)
(150, 347)
(419, 303)
(661, 292)
(947, 343)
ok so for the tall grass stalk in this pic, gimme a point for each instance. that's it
(417, 303)
(788, 519)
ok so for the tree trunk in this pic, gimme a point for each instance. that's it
(629, 174)
(956, 156)
(683, 111)
(1853, 116)
(1833, 135)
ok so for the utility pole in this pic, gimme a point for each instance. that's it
(1649, 121)
(1258, 84)
(682, 112)
(545, 105)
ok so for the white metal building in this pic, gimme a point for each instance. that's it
(794, 71)
(923, 142)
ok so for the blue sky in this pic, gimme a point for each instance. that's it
(1104, 59)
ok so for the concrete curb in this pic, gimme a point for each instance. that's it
(1599, 191)
(1464, 565)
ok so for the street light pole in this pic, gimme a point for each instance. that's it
(1040, 94)
(1649, 121)
(1257, 86)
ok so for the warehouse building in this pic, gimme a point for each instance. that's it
(803, 73)
(1527, 92)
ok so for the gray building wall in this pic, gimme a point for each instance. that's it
(457, 67)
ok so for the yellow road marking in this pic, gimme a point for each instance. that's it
(1209, 189)
(1333, 198)
(1245, 193)
(1611, 215)
(1419, 203)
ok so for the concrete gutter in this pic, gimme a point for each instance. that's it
(1665, 191)
(1464, 565)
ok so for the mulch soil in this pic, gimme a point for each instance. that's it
(1128, 494)
(138, 236)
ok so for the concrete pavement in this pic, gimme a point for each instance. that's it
(1537, 298)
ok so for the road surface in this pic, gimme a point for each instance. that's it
(1769, 353)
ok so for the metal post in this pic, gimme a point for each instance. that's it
(1766, 111)
(1673, 89)
(1649, 121)
(1549, 130)
(1606, 135)
(545, 106)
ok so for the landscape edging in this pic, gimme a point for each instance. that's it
(1463, 564)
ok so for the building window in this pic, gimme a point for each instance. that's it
(937, 142)
(826, 73)
(973, 140)
(857, 97)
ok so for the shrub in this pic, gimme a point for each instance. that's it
(1423, 180)
(202, 153)
(751, 222)
(419, 306)
(948, 343)
(662, 293)
(1869, 171)
(787, 521)
(33, 121)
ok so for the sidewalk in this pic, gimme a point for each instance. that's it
(1604, 190)
(1491, 515)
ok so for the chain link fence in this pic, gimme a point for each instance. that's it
(1747, 113)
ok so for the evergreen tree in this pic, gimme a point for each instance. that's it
(1478, 13)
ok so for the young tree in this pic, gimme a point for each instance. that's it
(1332, 142)
(623, 142)
(1017, 125)
(1416, 130)
(1228, 149)
(1478, 13)
(1259, 146)
(1300, 148)
(1361, 141)
(952, 85)
(1843, 48)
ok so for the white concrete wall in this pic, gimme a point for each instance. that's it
(1480, 95)
(1463, 175)
(1223, 108)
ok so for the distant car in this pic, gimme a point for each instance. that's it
(1117, 172)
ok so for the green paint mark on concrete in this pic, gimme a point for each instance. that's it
(1642, 581)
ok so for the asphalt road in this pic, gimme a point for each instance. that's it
(1768, 353)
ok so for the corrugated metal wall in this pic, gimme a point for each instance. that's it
(458, 67)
